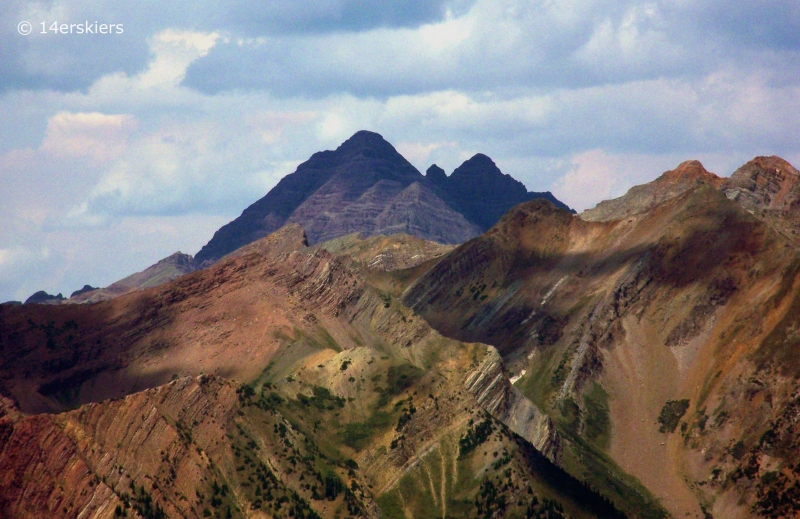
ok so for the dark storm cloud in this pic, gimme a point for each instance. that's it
(521, 45)
(256, 18)
(774, 24)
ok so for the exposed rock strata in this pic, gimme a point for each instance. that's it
(493, 391)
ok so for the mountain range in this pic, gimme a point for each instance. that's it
(637, 360)
(363, 186)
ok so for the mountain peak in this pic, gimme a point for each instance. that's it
(642, 198)
(691, 170)
(478, 165)
(766, 168)
(436, 174)
(364, 139)
(765, 183)
(480, 158)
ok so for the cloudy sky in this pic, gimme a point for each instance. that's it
(119, 149)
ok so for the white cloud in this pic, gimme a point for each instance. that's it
(173, 52)
(591, 177)
(419, 153)
(98, 136)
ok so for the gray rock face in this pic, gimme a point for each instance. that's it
(766, 183)
(366, 186)
(419, 212)
(493, 391)
(769, 188)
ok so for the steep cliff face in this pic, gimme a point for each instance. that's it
(493, 391)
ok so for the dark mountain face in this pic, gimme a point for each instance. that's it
(483, 193)
(366, 186)
(329, 181)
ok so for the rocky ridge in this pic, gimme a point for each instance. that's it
(671, 306)
(494, 392)
(642, 198)
(353, 392)
(167, 269)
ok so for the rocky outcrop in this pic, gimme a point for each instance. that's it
(490, 386)
(391, 252)
(768, 187)
(42, 297)
(764, 183)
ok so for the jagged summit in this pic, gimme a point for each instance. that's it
(42, 297)
(366, 186)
